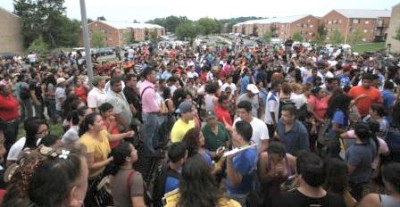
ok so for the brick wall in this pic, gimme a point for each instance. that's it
(10, 33)
(307, 26)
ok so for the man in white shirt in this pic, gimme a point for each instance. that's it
(272, 108)
(229, 84)
(97, 95)
(260, 130)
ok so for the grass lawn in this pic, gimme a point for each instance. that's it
(370, 47)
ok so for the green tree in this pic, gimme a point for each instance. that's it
(267, 36)
(153, 37)
(38, 46)
(255, 30)
(97, 39)
(397, 35)
(45, 19)
(321, 35)
(355, 37)
(170, 23)
(337, 37)
(187, 30)
(208, 26)
(297, 36)
(128, 37)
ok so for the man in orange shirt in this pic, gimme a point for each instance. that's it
(365, 95)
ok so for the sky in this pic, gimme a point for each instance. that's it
(129, 10)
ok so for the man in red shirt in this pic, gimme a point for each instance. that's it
(222, 110)
(365, 95)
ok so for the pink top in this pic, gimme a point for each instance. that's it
(320, 105)
(149, 98)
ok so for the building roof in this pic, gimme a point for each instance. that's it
(288, 19)
(364, 13)
(9, 12)
(124, 25)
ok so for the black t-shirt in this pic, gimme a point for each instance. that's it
(297, 199)
(132, 98)
(36, 86)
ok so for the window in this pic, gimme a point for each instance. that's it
(356, 21)
(309, 20)
(366, 22)
(364, 40)
(334, 21)
(340, 21)
(311, 26)
(365, 31)
(330, 22)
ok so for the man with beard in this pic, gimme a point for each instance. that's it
(122, 111)
(292, 132)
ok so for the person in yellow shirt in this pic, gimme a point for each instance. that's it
(184, 123)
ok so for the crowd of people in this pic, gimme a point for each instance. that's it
(230, 126)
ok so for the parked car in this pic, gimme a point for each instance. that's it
(7, 55)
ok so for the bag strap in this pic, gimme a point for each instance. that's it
(141, 95)
(128, 181)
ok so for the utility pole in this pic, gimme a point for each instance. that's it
(86, 43)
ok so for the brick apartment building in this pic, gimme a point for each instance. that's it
(373, 24)
(393, 27)
(10, 33)
(281, 27)
(117, 33)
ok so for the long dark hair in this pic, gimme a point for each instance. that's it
(89, 120)
(44, 179)
(31, 126)
(390, 173)
(337, 178)
(120, 153)
(191, 140)
(197, 186)
(339, 102)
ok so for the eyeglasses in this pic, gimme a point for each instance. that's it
(44, 131)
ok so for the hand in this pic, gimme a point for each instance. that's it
(219, 151)
(130, 133)
(227, 126)
(111, 119)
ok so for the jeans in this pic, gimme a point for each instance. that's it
(149, 133)
(26, 109)
(39, 111)
(10, 132)
(51, 110)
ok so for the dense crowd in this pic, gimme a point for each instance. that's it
(227, 126)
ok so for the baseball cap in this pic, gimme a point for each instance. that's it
(96, 80)
(185, 107)
(60, 80)
(210, 114)
(252, 88)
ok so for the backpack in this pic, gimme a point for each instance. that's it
(326, 143)
(163, 172)
(25, 92)
(147, 198)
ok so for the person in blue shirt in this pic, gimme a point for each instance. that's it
(241, 166)
(388, 96)
(177, 155)
(338, 112)
(246, 79)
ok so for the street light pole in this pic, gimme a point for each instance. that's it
(86, 43)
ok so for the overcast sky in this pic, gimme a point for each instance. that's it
(128, 10)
